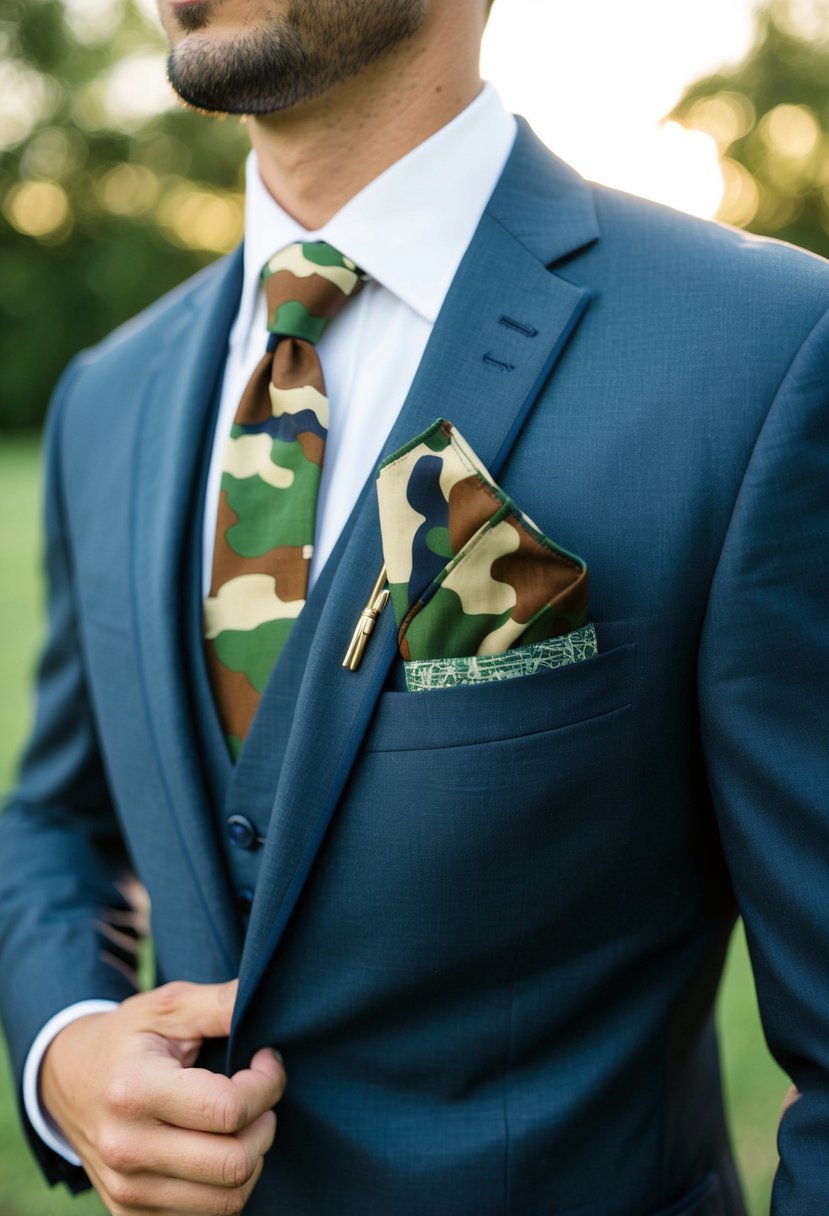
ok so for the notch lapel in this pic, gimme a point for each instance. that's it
(504, 324)
(176, 416)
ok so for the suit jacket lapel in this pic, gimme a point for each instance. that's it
(176, 414)
(504, 323)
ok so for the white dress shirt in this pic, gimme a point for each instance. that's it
(408, 229)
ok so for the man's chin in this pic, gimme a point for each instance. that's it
(199, 78)
(215, 103)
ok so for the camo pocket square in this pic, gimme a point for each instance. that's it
(469, 573)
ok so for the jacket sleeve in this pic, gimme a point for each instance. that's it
(65, 924)
(764, 704)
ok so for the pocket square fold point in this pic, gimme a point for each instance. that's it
(469, 572)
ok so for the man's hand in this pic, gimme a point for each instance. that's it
(153, 1133)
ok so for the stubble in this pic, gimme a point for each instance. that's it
(284, 60)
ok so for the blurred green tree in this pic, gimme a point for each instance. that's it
(109, 192)
(769, 115)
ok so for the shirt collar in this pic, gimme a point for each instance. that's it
(408, 228)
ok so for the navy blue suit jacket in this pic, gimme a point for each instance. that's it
(489, 922)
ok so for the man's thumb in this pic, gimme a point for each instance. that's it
(182, 1010)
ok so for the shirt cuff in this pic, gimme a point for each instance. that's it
(37, 1113)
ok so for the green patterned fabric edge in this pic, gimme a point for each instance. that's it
(428, 437)
(423, 675)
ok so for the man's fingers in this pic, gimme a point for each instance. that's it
(185, 1011)
(169, 1152)
(195, 1098)
(149, 1195)
(268, 1062)
(263, 1084)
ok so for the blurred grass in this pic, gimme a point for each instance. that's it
(19, 590)
(754, 1086)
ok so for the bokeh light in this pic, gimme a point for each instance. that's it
(38, 209)
(202, 219)
(128, 190)
(27, 97)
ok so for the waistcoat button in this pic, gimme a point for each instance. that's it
(244, 900)
(242, 832)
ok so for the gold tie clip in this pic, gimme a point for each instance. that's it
(368, 618)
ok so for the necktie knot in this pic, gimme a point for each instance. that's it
(306, 284)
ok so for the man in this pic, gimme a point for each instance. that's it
(482, 924)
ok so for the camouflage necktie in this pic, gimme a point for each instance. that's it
(270, 480)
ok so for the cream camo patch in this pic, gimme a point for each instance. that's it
(250, 456)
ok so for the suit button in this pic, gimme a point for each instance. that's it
(244, 900)
(242, 832)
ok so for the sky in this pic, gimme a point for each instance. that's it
(595, 79)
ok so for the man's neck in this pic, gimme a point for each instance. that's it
(316, 156)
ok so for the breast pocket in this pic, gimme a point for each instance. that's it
(467, 715)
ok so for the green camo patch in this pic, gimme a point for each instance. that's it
(322, 254)
(253, 652)
(268, 517)
(294, 320)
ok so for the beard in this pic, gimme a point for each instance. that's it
(287, 59)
